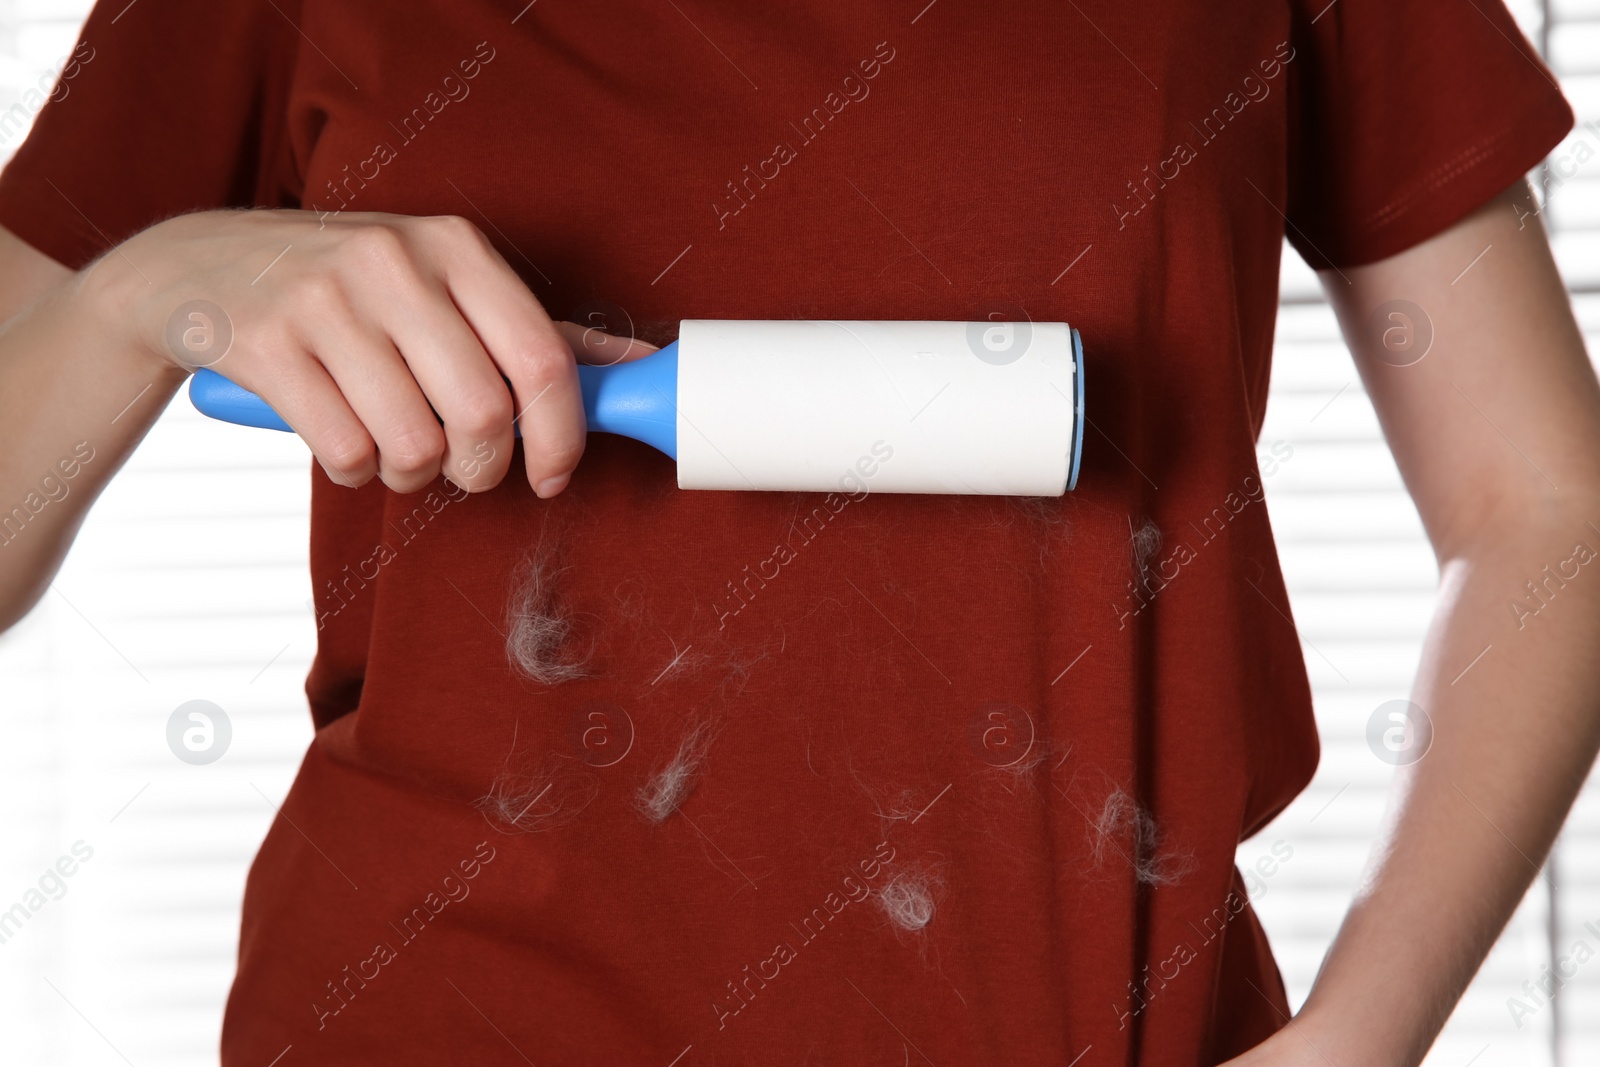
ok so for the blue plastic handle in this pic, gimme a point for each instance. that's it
(637, 399)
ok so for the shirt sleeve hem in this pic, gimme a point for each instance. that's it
(1452, 191)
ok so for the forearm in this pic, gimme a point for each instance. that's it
(1495, 426)
(1514, 698)
(75, 398)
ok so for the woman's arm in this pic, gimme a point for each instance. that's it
(73, 404)
(365, 334)
(1497, 435)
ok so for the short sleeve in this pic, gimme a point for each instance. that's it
(1406, 116)
(164, 107)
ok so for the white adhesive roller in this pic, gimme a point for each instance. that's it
(818, 406)
(897, 407)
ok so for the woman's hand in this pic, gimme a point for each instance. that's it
(365, 331)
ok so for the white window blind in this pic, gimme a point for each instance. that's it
(190, 581)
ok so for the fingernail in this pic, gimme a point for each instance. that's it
(551, 486)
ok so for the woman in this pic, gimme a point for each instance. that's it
(610, 772)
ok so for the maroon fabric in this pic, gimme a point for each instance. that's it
(900, 690)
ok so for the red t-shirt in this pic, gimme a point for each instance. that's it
(974, 768)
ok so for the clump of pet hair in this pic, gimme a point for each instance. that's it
(910, 898)
(1128, 830)
(1145, 542)
(532, 802)
(539, 627)
(667, 788)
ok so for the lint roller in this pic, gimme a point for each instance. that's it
(897, 407)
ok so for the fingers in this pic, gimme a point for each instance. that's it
(444, 362)
(307, 397)
(341, 324)
(528, 350)
(381, 390)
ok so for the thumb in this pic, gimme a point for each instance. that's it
(594, 346)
